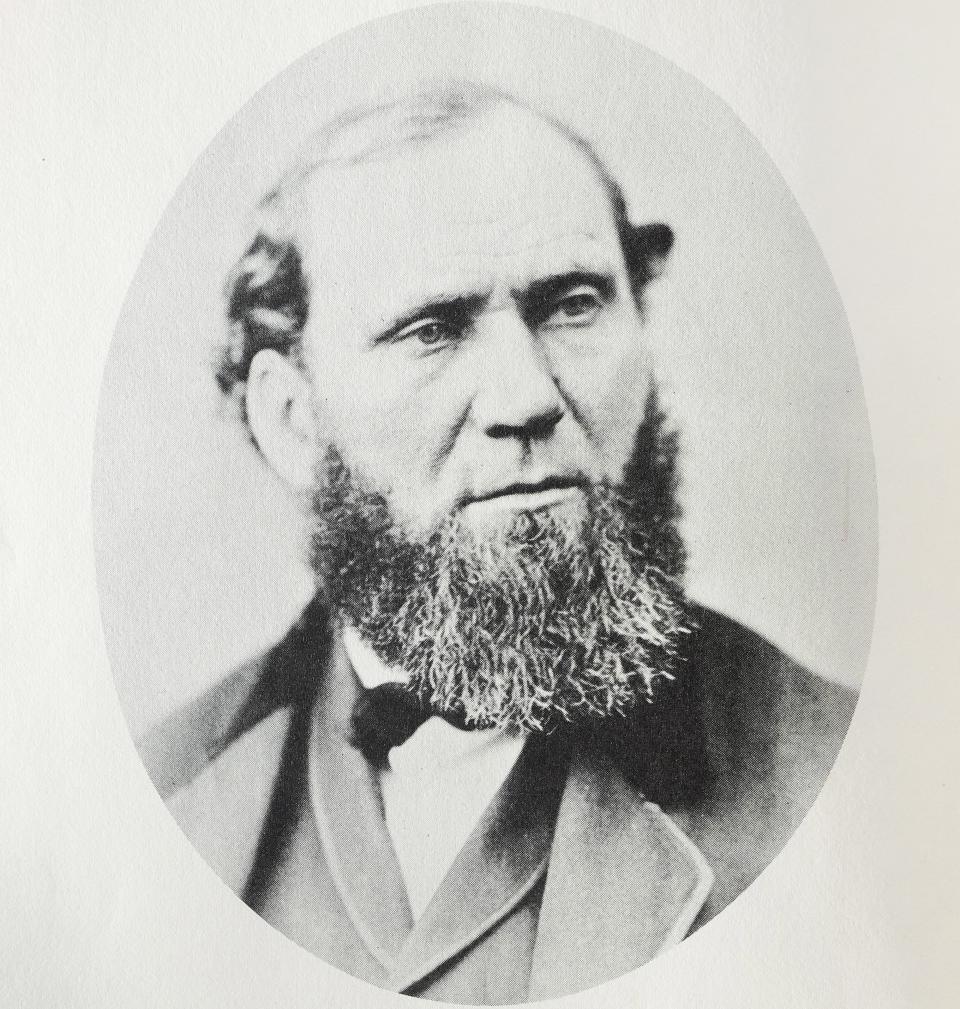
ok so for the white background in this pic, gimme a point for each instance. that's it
(106, 107)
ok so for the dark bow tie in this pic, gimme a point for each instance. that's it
(387, 716)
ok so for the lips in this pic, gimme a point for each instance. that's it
(550, 483)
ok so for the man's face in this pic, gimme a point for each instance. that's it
(473, 342)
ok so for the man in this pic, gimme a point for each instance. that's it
(501, 757)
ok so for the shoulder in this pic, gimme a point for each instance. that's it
(216, 761)
(195, 736)
(180, 747)
(739, 717)
(214, 764)
(763, 712)
(772, 731)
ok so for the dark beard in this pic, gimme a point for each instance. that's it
(547, 622)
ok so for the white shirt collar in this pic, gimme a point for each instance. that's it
(371, 670)
(436, 785)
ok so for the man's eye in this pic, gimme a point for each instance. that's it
(577, 308)
(430, 333)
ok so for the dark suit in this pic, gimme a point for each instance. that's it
(601, 849)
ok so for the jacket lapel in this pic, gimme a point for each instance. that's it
(348, 809)
(623, 882)
(504, 858)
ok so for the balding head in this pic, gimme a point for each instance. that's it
(269, 289)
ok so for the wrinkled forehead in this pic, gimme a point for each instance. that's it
(504, 194)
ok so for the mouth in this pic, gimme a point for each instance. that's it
(529, 496)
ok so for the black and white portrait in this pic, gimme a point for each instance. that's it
(484, 506)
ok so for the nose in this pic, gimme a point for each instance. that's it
(517, 394)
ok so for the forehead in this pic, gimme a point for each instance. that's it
(490, 200)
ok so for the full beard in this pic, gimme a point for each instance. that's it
(552, 619)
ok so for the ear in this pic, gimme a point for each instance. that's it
(281, 418)
(647, 248)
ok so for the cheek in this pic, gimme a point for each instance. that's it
(393, 426)
(607, 386)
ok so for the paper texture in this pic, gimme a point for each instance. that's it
(108, 107)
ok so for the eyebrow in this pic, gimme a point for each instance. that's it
(455, 308)
(541, 292)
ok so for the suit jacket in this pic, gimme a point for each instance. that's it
(602, 849)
